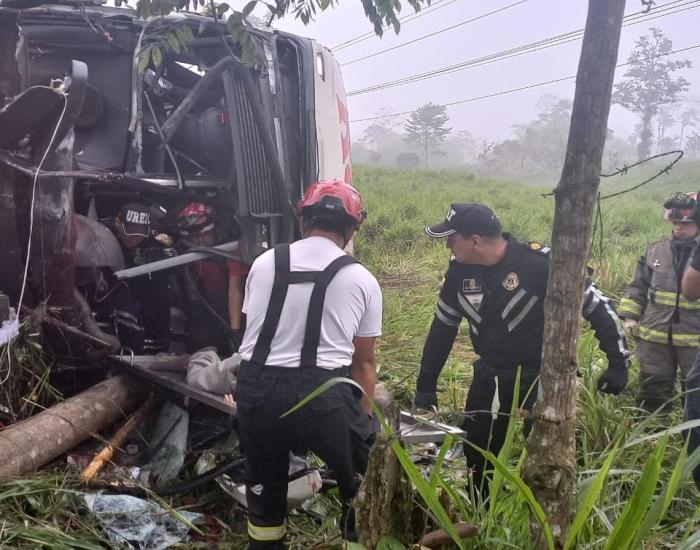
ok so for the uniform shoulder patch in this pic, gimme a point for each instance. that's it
(539, 247)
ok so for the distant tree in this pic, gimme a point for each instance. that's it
(688, 118)
(426, 128)
(692, 146)
(649, 83)
(383, 142)
(664, 121)
(543, 141)
(617, 152)
(376, 136)
(536, 152)
(407, 161)
(460, 148)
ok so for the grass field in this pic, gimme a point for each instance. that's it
(410, 267)
(43, 511)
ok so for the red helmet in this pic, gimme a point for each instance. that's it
(335, 195)
(196, 217)
(680, 207)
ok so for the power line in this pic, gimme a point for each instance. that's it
(545, 43)
(440, 31)
(557, 40)
(477, 18)
(406, 19)
(512, 90)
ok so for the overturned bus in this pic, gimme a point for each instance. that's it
(89, 132)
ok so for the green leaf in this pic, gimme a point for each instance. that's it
(353, 546)
(221, 9)
(525, 491)
(592, 495)
(684, 466)
(325, 4)
(144, 59)
(424, 490)
(689, 425)
(390, 543)
(173, 42)
(691, 544)
(506, 449)
(627, 524)
(435, 473)
(157, 56)
(249, 7)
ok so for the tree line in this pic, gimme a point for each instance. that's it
(650, 88)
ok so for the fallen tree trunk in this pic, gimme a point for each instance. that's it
(29, 445)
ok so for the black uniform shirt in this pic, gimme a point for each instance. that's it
(504, 305)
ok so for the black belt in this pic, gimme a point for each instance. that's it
(281, 372)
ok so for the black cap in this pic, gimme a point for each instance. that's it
(135, 219)
(467, 218)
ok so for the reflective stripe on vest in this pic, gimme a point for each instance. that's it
(629, 307)
(665, 298)
(275, 532)
(660, 337)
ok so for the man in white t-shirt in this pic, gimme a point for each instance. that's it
(312, 313)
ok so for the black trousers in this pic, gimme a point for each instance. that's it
(332, 425)
(487, 428)
(692, 412)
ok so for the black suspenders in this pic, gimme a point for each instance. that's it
(283, 278)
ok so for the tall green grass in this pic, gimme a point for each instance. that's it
(632, 495)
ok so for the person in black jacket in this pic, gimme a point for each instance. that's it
(690, 287)
(498, 284)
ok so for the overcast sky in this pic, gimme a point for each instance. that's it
(518, 23)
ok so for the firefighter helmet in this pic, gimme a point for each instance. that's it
(681, 207)
(195, 217)
(335, 196)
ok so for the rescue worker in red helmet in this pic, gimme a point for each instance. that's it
(220, 282)
(666, 325)
(312, 313)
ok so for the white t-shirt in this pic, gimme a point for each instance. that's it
(353, 306)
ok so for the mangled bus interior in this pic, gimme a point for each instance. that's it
(140, 178)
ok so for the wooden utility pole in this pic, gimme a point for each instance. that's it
(550, 468)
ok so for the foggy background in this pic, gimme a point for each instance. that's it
(480, 125)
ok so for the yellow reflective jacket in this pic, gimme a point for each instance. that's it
(653, 297)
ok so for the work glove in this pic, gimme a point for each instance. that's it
(613, 380)
(630, 326)
(425, 400)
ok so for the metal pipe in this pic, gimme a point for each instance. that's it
(168, 263)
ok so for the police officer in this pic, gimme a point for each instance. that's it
(498, 284)
(666, 324)
(312, 314)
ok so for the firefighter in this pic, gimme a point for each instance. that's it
(312, 314)
(220, 282)
(498, 284)
(666, 325)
